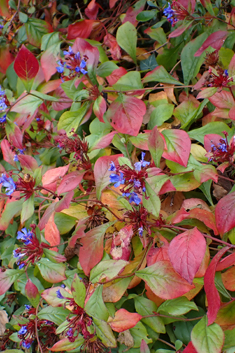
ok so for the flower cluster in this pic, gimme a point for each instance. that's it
(133, 180)
(47, 331)
(31, 251)
(223, 152)
(8, 184)
(73, 62)
(3, 105)
(16, 159)
(78, 323)
(175, 12)
(221, 79)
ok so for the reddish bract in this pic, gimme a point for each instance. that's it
(26, 65)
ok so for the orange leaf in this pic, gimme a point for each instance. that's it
(52, 234)
(124, 320)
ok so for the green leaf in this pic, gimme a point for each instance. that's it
(148, 64)
(35, 29)
(190, 63)
(105, 333)
(147, 15)
(27, 105)
(207, 339)
(146, 307)
(23, 17)
(95, 306)
(177, 306)
(66, 345)
(211, 128)
(43, 96)
(50, 271)
(229, 341)
(157, 34)
(27, 209)
(160, 114)
(151, 202)
(107, 270)
(13, 351)
(78, 290)
(130, 81)
(56, 315)
(139, 333)
(11, 209)
(160, 75)
(106, 69)
(7, 278)
(127, 39)
(49, 39)
(69, 121)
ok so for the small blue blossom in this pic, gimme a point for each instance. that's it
(60, 68)
(21, 151)
(2, 92)
(3, 105)
(15, 158)
(25, 236)
(26, 344)
(59, 295)
(27, 307)
(38, 119)
(63, 285)
(7, 183)
(69, 333)
(141, 163)
(223, 147)
(117, 179)
(112, 167)
(83, 64)
(137, 183)
(140, 230)
(77, 56)
(77, 69)
(23, 330)
(1, 26)
(70, 52)
(84, 72)
(226, 72)
(21, 266)
(133, 197)
(3, 119)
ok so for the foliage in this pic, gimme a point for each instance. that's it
(117, 176)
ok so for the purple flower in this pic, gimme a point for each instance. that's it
(27, 307)
(60, 68)
(84, 72)
(26, 344)
(77, 69)
(3, 105)
(77, 56)
(133, 197)
(70, 52)
(21, 266)
(24, 235)
(2, 92)
(69, 333)
(137, 183)
(59, 295)
(16, 159)
(1, 26)
(140, 230)
(117, 179)
(141, 163)
(7, 183)
(21, 151)
(112, 167)
(62, 285)
(23, 330)
(3, 119)
(226, 72)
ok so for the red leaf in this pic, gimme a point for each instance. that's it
(16, 137)
(190, 348)
(6, 58)
(52, 234)
(212, 294)
(156, 254)
(102, 173)
(91, 252)
(156, 145)
(70, 182)
(144, 347)
(225, 213)
(115, 50)
(228, 279)
(112, 3)
(215, 40)
(226, 262)
(186, 252)
(27, 162)
(124, 320)
(222, 99)
(211, 139)
(26, 65)
(99, 108)
(231, 113)
(48, 63)
(189, 5)
(31, 290)
(126, 114)
(87, 49)
(63, 103)
(104, 141)
(132, 12)
(54, 174)
(231, 68)
(177, 32)
(178, 146)
(81, 29)
(92, 10)
(8, 154)
(115, 75)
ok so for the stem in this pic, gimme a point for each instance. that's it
(167, 343)
(225, 178)
(36, 329)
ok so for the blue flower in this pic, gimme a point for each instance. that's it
(226, 72)
(77, 56)
(70, 52)
(84, 72)
(169, 13)
(77, 69)
(2, 92)
(69, 333)
(117, 179)
(83, 64)
(23, 330)
(7, 183)
(223, 147)
(16, 159)
(26, 344)
(3, 105)
(59, 295)
(62, 285)
(141, 163)
(137, 183)
(21, 266)
(60, 68)
(25, 235)
(3, 119)
(112, 167)
(1, 26)
(21, 151)
(140, 230)
(133, 197)
(27, 307)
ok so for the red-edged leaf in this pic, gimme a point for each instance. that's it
(123, 320)
(92, 10)
(215, 40)
(225, 213)
(164, 281)
(226, 315)
(231, 68)
(91, 251)
(226, 262)
(63, 103)
(8, 154)
(85, 48)
(54, 174)
(188, 5)
(114, 48)
(66, 345)
(112, 3)
(190, 348)
(50, 296)
(156, 254)
(212, 294)
(186, 252)
(115, 75)
(228, 279)
(16, 137)
(99, 108)
(50, 271)
(144, 347)
(156, 145)
(6, 57)
(32, 293)
(181, 29)
(27, 162)
(211, 139)
(70, 182)
(81, 29)
(7, 278)
(26, 65)
(132, 12)
(52, 234)
(104, 141)
(178, 146)
(102, 173)
(126, 114)
(49, 63)
(222, 99)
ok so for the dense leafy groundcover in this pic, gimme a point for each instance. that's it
(117, 176)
